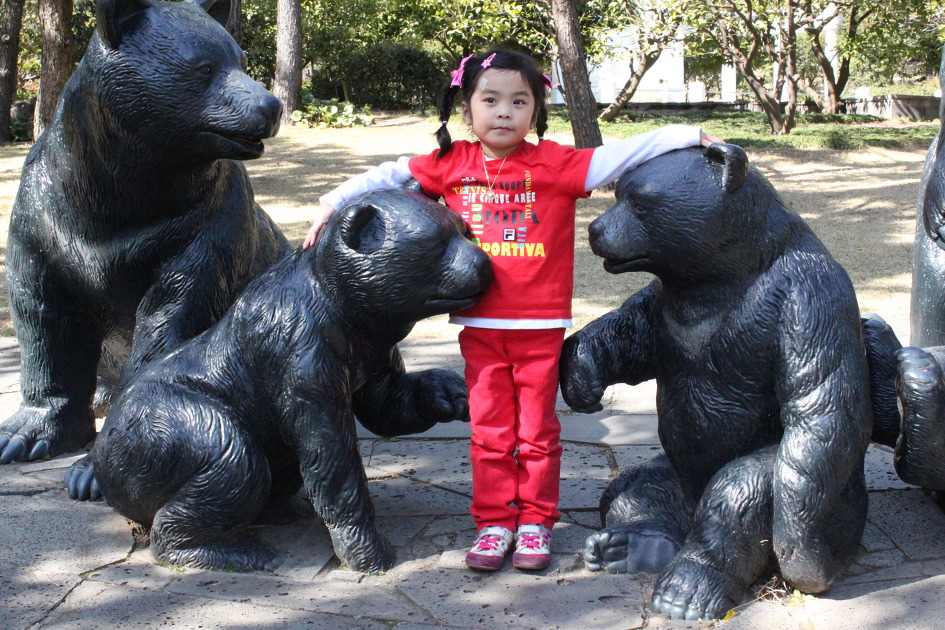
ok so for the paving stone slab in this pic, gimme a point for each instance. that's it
(767, 615)
(514, 599)
(53, 534)
(874, 539)
(305, 548)
(95, 606)
(13, 481)
(907, 605)
(400, 497)
(26, 597)
(443, 463)
(609, 427)
(880, 470)
(363, 598)
(585, 472)
(912, 520)
(627, 456)
(139, 570)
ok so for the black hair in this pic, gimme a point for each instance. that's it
(503, 60)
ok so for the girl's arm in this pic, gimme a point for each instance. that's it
(387, 175)
(611, 160)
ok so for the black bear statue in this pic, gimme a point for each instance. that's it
(134, 227)
(752, 332)
(928, 254)
(228, 427)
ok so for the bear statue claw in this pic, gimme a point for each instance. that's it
(26, 435)
(920, 451)
(690, 590)
(626, 548)
(80, 481)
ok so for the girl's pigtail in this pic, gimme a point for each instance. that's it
(541, 122)
(445, 109)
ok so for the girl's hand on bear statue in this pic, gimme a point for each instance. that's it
(707, 138)
(322, 215)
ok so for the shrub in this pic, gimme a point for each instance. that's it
(331, 113)
(384, 75)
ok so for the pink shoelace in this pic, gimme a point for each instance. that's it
(488, 542)
(531, 541)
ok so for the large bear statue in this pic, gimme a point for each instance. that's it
(229, 426)
(134, 227)
(752, 332)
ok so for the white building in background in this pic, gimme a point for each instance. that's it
(665, 82)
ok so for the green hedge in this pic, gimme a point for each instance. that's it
(383, 76)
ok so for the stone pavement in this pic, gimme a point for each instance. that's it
(75, 565)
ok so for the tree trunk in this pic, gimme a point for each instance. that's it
(770, 105)
(287, 85)
(58, 59)
(235, 23)
(582, 106)
(644, 61)
(11, 18)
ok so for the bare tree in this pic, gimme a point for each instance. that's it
(11, 19)
(287, 85)
(582, 106)
(58, 59)
(655, 26)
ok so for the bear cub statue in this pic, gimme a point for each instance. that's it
(752, 332)
(134, 227)
(227, 428)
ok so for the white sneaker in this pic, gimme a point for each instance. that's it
(532, 547)
(489, 551)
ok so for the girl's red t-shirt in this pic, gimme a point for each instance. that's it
(527, 228)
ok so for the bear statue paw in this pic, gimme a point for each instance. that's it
(442, 396)
(629, 548)
(37, 432)
(80, 481)
(581, 386)
(690, 590)
(920, 451)
(247, 553)
(362, 551)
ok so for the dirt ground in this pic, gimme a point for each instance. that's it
(861, 204)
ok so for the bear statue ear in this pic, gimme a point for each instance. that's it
(734, 161)
(219, 10)
(110, 13)
(362, 229)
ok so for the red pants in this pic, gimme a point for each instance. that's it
(512, 377)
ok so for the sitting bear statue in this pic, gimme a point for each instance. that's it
(235, 421)
(752, 332)
(134, 227)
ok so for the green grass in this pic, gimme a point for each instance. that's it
(750, 129)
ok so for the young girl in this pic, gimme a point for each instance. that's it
(519, 201)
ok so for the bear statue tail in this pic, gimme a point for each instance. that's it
(881, 347)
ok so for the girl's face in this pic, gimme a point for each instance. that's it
(501, 111)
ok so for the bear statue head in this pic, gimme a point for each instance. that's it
(395, 257)
(692, 215)
(170, 80)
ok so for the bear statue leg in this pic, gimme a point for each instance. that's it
(729, 545)
(645, 518)
(204, 524)
(920, 451)
(60, 352)
(338, 488)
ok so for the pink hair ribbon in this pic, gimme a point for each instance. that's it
(546, 80)
(488, 61)
(457, 74)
